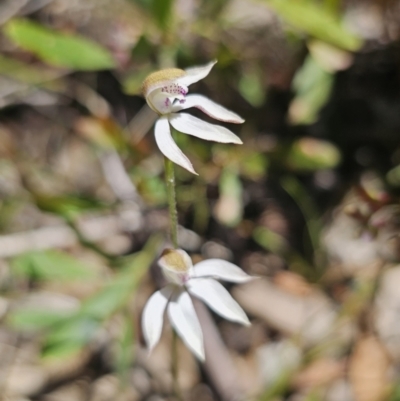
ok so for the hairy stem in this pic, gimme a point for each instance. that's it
(171, 196)
(173, 224)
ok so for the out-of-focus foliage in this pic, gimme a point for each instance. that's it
(251, 88)
(70, 333)
(312, 86)
(62, 50)
(312, 154)
(229, 208)
(50, 265)
(160, 10)
(311, 17)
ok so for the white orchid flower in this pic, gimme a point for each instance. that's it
(198, 280)
(166, 92)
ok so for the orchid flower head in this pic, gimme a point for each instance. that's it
(166, 93)
(186, 280)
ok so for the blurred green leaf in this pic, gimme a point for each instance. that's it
(75, 332)
(278, 388)
(270, 240)
(25, 72)
(50, 265)
(150, 186)
(126, 348)
(251, 88)
(315, 20)
(109, 299)
(255, 166)
(229, 208)
(307, 206)
(395, 393)
(312, 85)
(68, 206)
(310, 154)
(34, 319)
(69, 332)
(59, 49)
(160, 10)
(70, 336)
(114, 295)
(393, 176)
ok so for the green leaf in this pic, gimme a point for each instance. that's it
(116, 294)
(310, 154)
(59, 49)
(27, 73)
(50, 265)
(70, 337)
(160, 10)
(254, 165)
(68, 206)
(125, 349)
(315, 20)
(251, 88)
(312, 85)
(29, 318)
(75, 332)
(393, 176)
(229, 208)
(270, 240)
(109, 299)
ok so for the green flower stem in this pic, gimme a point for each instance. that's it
(173, 224)
(171, 196)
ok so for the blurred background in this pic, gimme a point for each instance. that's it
(310, 202)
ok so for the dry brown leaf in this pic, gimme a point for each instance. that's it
(319, 373)
(293, 283)
(368, 370)
(311, 317)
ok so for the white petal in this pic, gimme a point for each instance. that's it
(152, 317)
(184, 319)
(168, 146)
(195, 74)
(194, 126)
(209, 107)
(218, 299)
(221, 269)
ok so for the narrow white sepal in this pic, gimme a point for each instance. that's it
(195, 74)
(220, 269)
(152, 317)
(194, 126)
(218, 299)
(184, 320)
(167, 145)
(209, 107)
